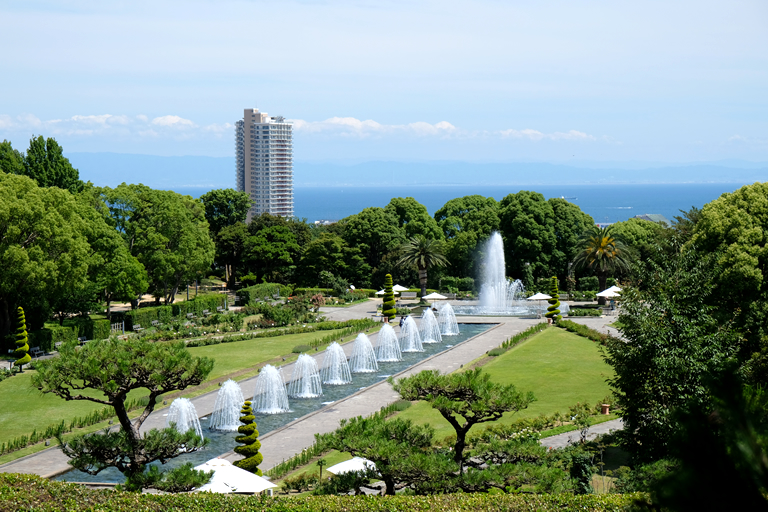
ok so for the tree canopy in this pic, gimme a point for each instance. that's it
(413, 218)
(225, 207)
(45, 163)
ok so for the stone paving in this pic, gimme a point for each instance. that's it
(291, 439)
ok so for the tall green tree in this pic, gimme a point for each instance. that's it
(475, 214)
(569, 223)
(643, 236)
(11, 160)
(231, 243)
(413, 218)
(105, 372)
(375, 232)
(423, 254)
(249, 438)
(22, 347)
(602, 252)
(44, 250)
(165, 231)
(225, 207)
(464, 399)
(671, 343)
(527, 224)
(272, 253)
(45, 163)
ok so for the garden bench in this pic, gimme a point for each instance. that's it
(220, 309)
(450, 296)
(37, 351)
(137, 328)
(155, 323)
(206, 312)
(408, 295)
(190, 315)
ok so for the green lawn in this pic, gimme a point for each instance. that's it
(560, 368)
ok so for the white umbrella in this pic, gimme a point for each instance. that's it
(353, 464)
(382, 292)
(608, 293)
(228, 479)
(539, 296)
(434, 296)
(399, 288)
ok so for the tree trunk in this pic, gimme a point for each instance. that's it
(390, 483)
(423, 281)
(602, 278)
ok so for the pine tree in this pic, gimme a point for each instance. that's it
(553, 310)
(250, 442)
(22, 348)
(389, 298)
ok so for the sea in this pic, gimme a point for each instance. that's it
(605, 203)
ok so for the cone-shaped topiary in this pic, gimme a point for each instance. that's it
(22, 348)
(389, 298)
(554, 303)
(250, 440)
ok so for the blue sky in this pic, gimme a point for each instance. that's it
(491, 81)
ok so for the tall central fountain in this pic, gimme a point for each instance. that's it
(497, 293)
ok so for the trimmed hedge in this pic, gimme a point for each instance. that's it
(257, 292)
(327, 292)
(47, 338)
(27, 492)
(166, 314)
(583, 330)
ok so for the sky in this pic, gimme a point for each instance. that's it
(481, 80)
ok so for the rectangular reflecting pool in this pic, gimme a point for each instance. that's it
(222, 442)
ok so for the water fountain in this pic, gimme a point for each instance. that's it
(335, 368)
(388, 347)
(447, 319)
(270, 395)
(430, 331)
(182, 413)
(226, 409)
(305, 381)
(410, 340)
(363, 358)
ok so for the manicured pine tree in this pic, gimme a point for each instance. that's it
(554, 303)
(389, 299)
(250, 440)
(22, 348)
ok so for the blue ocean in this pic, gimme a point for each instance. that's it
(605, 203)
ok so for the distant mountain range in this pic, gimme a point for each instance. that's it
(172, 172)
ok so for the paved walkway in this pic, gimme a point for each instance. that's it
(563, 440)
(291, 439)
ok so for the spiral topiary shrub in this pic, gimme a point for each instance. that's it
(250, 441)
(22, 347)
(553, 310)
(389, 299)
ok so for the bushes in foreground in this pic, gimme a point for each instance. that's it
(32, 492)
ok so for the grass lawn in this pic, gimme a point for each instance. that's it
(560, 368)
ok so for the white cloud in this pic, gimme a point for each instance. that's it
(174, 121)
(368, 127)
(536, 135)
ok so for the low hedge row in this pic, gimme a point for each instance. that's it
(328, 292)
(30, 492)
(583, 330)
(584, 312)
(165, 314)
(257, 292)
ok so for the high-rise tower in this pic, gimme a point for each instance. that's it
(264, 154)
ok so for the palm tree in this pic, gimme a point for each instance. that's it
(602, 252)
(423, 253)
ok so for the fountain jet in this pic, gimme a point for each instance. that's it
(182, 413)
(388, 347)
(335, 367)
(363, 358)
(430, 331)
(410, 341)
(270, 395)
(448, 324)
(226, 410)
(305, 381)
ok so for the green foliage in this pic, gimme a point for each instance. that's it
(517, 338)
(299, 349)
(554, 303)
(45, 163)
(464, 399)
(22, 348)
(343, 483)
(581, 472)
(225, 207)
(259, 292)
(388, 308)
(183, 478)
(54, 496)
(495, 352)
(588, 283)
(413, 218)
(474, 214)
(249, 438)
(422, 253)
(584, 312)
(671, 344)
(603, 252)
(527, 224)
(11, 160)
